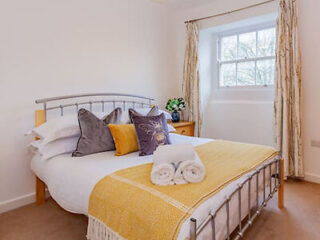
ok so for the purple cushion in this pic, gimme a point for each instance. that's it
(95, 133)
(152, 131)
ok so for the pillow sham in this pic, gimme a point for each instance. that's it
(95, 135)
(125, 138)
(151, 132)
(54, 148)
(61, 127)
(144, 112)
(171, 128)
(154, 111)
(57, 128)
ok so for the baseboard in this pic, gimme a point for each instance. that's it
(18, 202)
(311, 177)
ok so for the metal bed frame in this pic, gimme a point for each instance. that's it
(196, 229)
(254, 209)
(122, 98)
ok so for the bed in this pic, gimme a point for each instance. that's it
(225, 215)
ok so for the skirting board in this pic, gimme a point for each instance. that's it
(18, 202)
(310, 177)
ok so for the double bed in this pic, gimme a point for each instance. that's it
(233, 208)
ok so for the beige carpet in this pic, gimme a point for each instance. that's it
(299, 220)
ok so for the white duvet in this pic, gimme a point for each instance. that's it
(71, 180)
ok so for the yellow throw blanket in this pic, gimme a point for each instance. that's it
(126, 205)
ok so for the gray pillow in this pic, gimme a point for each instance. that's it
(95, 134)
(154, 111)
(151, 132)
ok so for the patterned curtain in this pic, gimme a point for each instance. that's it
(287, 104)
(191, 79)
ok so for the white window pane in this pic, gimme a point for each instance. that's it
(229, 48)
(246, 73)
(265, 72)
(228, 75)
(247, 45)
(266, 42)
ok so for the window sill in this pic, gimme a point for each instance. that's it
(247, 88)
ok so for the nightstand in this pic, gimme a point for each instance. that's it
(184, 128)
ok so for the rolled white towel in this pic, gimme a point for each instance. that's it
(190, 171)
(178, 176)
(173, 153)
(162, 174)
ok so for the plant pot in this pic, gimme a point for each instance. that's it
(175, 116)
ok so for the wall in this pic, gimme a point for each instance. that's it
(310, 49)
(52, 48)
(246, 116)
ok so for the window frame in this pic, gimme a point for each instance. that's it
(237, 32)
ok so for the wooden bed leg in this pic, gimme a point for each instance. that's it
(281, 189)
(40, 192)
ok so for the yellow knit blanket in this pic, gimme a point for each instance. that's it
(131, 207)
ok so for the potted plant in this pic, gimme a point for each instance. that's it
(175, 105)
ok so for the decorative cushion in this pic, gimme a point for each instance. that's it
(125, 138)
(154, 111)
(151, 132)
(95, 135)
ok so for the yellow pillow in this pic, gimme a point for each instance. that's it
(125, 138)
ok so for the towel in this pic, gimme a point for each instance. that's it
(173, 153)
(166, 160)
(180, 162)
(190, 171)
(162, 174)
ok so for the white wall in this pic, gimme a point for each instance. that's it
(254, 112)
(309, 17)
(52, 48)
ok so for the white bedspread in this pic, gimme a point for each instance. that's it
(71, 180)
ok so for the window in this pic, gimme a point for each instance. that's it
(247, 58)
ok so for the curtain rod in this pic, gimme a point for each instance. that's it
(229, 12)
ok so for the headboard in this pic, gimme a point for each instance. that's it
(93, 100)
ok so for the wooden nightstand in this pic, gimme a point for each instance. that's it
(184, 128)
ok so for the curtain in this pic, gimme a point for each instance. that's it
(191, 79)
(287, 104)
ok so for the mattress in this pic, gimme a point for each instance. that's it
(71, 180)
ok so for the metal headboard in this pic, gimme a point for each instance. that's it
(124, 99)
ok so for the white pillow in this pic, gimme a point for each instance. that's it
(145, 111)
(55, 148)
(60, 127)
(125, 119)
(171, 129)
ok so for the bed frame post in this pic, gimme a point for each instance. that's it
(40, 191)
(40, 118)
(193, 229)
(281, 189)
